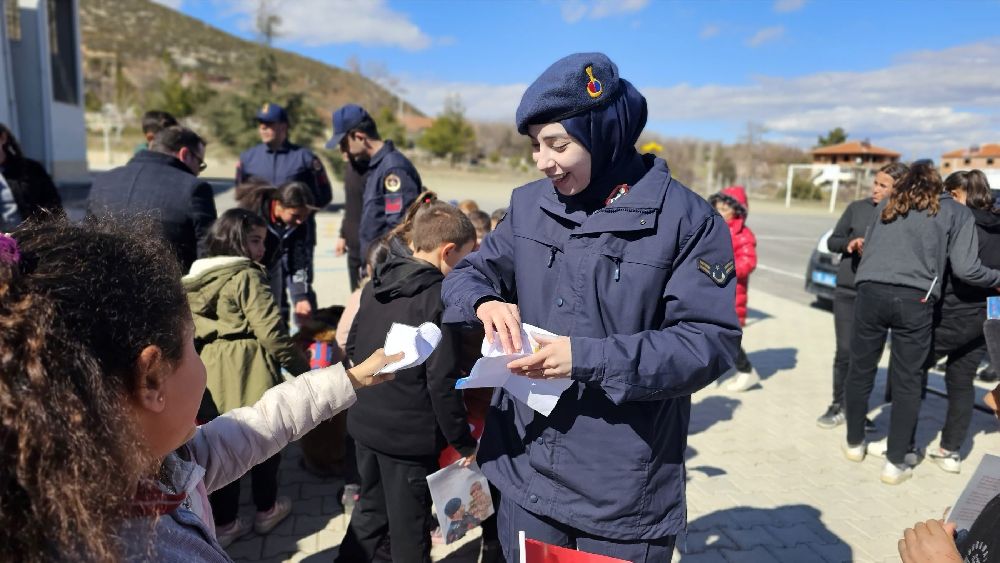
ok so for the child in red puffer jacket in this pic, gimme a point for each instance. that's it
(731, 203)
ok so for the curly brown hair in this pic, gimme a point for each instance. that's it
(75, 313)
(918, 190)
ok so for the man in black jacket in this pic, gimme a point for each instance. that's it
(355, 176)
(163, 181)
(400, 430)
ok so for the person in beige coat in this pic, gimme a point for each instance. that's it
(243, 344)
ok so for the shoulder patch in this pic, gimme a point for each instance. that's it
(317, 165)
(718, 273)
(392, 183)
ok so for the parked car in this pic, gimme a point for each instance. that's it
(821, 272)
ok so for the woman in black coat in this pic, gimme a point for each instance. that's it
(29, 192)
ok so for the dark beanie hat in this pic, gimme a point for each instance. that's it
(573, 85)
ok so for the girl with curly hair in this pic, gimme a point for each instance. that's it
(919, 233)
(99, 387)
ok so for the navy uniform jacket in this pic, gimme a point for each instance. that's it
(392, 185)
(289, 163)
(632, 285)
(160, 184)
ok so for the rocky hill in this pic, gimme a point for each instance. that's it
(128, 45)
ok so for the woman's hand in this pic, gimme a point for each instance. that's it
(505, 319)
(303, 310)
(929, 542)
(363, 374)
(553, 359)
(468, 460)
(856, 246)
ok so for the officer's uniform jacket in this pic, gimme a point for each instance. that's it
(645, 289)
(391, 186)
(290, 162)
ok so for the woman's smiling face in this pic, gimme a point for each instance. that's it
(562, 158)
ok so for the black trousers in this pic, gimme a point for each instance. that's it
(394, 500)
(263, 488)
(879, 308)
(354, 265)
(743, 364)
(843, 327)
(513, 519)
(959, 336)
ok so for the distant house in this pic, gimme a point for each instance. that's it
(976, 156)
(855, 153)
(414, 124)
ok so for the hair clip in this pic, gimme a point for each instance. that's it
(9, 252)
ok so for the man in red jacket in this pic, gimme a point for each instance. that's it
(731, 203)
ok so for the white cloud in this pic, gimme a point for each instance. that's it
(924, 104)
(709, 31)
(172, 4)
(575, 10)
(788, 5)
(327, 22)
(485, 102)
(766, 35)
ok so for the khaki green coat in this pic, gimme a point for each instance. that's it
(238, 330)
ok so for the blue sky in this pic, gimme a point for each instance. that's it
(921, 77)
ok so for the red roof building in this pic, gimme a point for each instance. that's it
(976, 156)
(855, 153)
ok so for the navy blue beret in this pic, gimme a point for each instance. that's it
(452, 507)
(572, 85)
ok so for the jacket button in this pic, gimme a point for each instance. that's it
(539, 441)
(533, 498)
(642, 221)
(559, 302)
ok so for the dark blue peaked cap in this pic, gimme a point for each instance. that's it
(572, 85)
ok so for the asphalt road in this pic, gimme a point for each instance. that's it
(785, 241)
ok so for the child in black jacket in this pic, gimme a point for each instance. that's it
(400, 431)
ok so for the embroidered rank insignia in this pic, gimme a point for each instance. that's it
(616, 193)
(594, 87)
(717, 272)
(393, 204)
(392, 183)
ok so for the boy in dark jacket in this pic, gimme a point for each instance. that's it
(400, 430)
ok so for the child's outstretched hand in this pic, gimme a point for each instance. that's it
(363, 374)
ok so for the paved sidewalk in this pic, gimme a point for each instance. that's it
(765, 483)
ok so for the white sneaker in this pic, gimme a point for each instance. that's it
(946, 460)
(229, 533)
(893, 474)
(878, 449)
(264, 522)
(743, 381)
(854, 453)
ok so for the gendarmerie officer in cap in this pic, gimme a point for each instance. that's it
(635, 272)
(392, 183)
(276, 160)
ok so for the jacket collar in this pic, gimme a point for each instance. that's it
(146, 156)
(635, 211)
(387, 147)
(285, 146)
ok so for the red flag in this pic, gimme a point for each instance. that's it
(534, 551)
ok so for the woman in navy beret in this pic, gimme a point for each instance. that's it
(636, 274)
